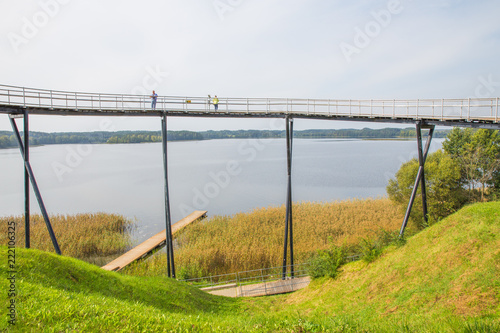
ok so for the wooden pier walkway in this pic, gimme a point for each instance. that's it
(152, 244)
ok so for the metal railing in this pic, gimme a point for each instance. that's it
(257, 275)
(248, 277)
(259, 282)
(467, 109)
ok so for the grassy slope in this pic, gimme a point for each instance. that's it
(444, 274)
(446, 279)
(60, 293)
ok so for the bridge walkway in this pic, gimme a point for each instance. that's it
(466, 112)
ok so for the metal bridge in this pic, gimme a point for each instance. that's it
(471, 112)
(20, 102)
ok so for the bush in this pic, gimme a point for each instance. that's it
(371, 249)
(327, 262)
(190, 271)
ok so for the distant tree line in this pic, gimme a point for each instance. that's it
(242, 134)
(7, 139)
(365, 133)
(140, 137)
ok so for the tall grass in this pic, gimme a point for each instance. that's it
(222, 244)
(246, 241)
(94, 238)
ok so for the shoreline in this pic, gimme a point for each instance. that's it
(101, 137)
(212, 139)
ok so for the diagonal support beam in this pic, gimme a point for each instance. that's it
(422, 156)
(169, 244)
(289, 219)
(29, 170)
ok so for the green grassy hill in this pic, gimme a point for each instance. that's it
(448, 273)
(445, 279)
(59, 293)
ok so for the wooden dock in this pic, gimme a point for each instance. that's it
(152, 244)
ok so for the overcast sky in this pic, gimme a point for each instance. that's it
(241, 48)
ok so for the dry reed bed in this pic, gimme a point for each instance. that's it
(90, 237)
(246, 241)
(221, 244)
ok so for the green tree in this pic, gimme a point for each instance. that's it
(478, 153)
(486, 147)
(456, 141)
(444, 187)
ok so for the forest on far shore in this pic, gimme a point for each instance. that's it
(8, 140)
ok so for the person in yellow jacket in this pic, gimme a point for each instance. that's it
(215, 101)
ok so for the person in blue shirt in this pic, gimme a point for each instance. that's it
(154, 97)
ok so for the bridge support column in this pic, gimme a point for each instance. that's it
(29, 171)
(289, 220)
(422, 156)
(27, 231)
(168, 245)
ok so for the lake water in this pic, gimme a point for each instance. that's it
(221, 176)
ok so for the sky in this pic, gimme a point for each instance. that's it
(345, 49)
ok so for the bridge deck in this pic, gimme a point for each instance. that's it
(471, 112)
(152, 244)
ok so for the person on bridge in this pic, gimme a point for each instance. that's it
(216, 103)
(154, 97)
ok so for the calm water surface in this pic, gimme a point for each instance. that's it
(221, 176)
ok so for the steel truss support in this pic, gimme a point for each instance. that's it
(422, 156)
(25, 153)
(289, 220)
(168, 245)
